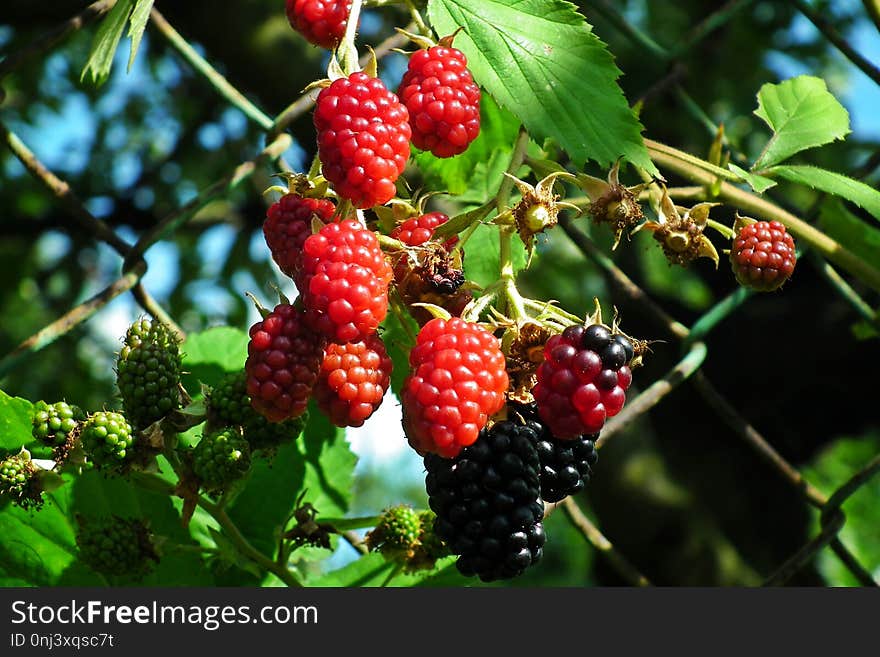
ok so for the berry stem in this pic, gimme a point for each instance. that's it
(727, 231)
(348, 55)
(417, 19)
(513, 300)
(702, 172)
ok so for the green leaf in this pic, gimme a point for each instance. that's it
(37, 547)
(398, 334)
(541, 60)
(833, 183)
(482, 259)
(802, 114)
(16, 423)
(320, 463)
(759, 183)
(139, 17)
(844, 227)
(498, 130)
(831, 468)
(373, 570)
(106, 41)
(209, 355)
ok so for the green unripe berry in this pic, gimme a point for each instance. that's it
(148, 372)
(229, 405)
(53, 423)
(397, 533)
(221, 458)
(18, 480)
(107, 440)
(116, 546)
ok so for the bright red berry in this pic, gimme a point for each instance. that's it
(321, 22)
(363, 138)
(457, 381)
(284, 357)
(415, 231)
(344, 281)
(583, 380)
(289, 223)
(354, 378)
(763, 256)
(442, 99)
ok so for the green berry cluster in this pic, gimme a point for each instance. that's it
(18, 480)
(116, 546)
(407, 536)
(148, 372)
(107, 439)
(229, 405)
(53, 423)
(221, 458)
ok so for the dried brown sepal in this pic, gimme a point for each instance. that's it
(430, 274)
(612, 203)
(524, 354)
(679, 231)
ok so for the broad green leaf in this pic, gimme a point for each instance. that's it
(96, 495)
(106, 41)
(374, 570)
(759, 183)
(802, 114)
(16, 423)
(398, 334)
(481, 255)
(498, 130)
(843, 226)
(37, 547)
(540, 60)
(208, 355)
(319, 463)
(833, 183)
(139, 17)
(831, 468)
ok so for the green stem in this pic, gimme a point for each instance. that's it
(347, 49)
(200, 64)
(721, 310)
(417, 19)
(844, 289)
(702, 172)
(873, 9)
(241, 543)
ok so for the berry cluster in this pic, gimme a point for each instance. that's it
(221, 458)
(108, 440)
(289, 223)
(583, 379)
(488, 503)
(148, 372)
(53, 424)
(18, 480)
(457, 382)
(442, 99)
(116, 546)
(321, 22)
(229, 405)
(407, 537)
(763, 256)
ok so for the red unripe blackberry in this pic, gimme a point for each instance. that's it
(321, 22)
(289, 223)
(284, 355)
(353, 380)
(344, 281)
(415, 231)
(363, 138)
(583, 380)
(457, 381)
(763, 256)
(488, 502)
(442, 99)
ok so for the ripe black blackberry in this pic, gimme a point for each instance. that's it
(488, 502)
(566, 465)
